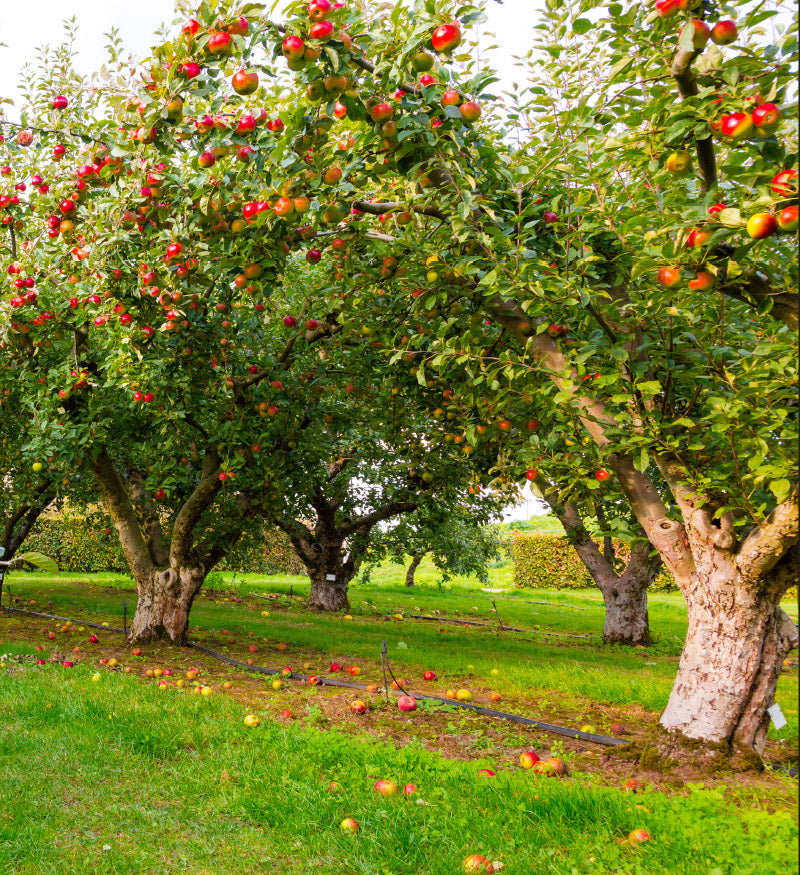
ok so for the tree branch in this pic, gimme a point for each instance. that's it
(366, 522)
(195, 506)
(767, 544)
(685, 79)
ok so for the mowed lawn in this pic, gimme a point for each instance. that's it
(116, 775)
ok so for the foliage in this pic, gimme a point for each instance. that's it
(549, 561)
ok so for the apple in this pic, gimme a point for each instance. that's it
(313, 680)
(475, 863)
(373, 688)
(450, 98)
(220, 43)
(286, 714)
(293, 48)
(761, 225)
(354, 670)
(532, 474)
(723, 33)
(528, 759)
(319, 10)
(191, 70)
(381, 112)
(470, 112)
(313, 256)
(766, 117)
(486, 773)
(358, 707)
(407, 703)
(251, 720)
(669, 277)
(666, 7)
(429, 676)
(616, 729)
(253, 648)
(787, 219)
(784, 184)
(701, 35)
(207, 159)
(226, 686)
(495, 697)
(244, 82)
(349, 825)
(737, 125)
(446, 37)
(588, 728)
(602, 475)
(93, 639)
(321, 31)
(206, 691)
(60, 102)
(385, 787)
(335, 668)
(67, 664)
(679, 163)
(703, 280)
(633, 786)
(637, 836)
(463, 695)
(427, 79)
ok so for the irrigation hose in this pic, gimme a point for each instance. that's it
(604, 740)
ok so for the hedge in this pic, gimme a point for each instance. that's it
(550, 562)
(85, 542)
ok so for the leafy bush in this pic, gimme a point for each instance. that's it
(85, 542)
(547, 561)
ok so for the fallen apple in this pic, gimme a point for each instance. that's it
(385, 787)
(407, 703)
(476, 863)
(349, 825)
(251, 720)
(528, 759)
(358, 707)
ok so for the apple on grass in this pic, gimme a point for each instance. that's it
(358, 707)
(528, 759)
(385, 787)
(407, 703)
(476, 863)
(350, 825)
(251, 720)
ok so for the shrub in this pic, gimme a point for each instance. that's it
(85, 542)
(550, 562)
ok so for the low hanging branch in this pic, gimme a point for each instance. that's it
(686, 81)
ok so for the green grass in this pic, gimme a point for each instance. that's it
(116, 776)
(543, 673)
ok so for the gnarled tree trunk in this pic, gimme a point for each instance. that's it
(626, 620)
(165, 600)
(327, 594)
(731, 661)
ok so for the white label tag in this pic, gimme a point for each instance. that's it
(330, 577)
(776, 715)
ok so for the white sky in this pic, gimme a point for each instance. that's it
(27, 26)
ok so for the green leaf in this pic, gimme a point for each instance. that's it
(39, 560)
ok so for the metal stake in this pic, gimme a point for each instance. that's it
(384, 659)
(497, 614)
(125, 619)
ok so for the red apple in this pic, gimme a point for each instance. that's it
(385, 787)
(787, 219)
(669, 277)
(313, 256)
(470, 112)
(191, 27)
(666, 7)
(358, 707)
(761, 225)
(60, 102)
(475, 864)
(703, 280)
(724, 33)
(207, 159)
(639, 835)
(335, 668)
(349, 825)
(319, 10)
(528, 759)
(532, 474)
(381, 112)
(409, 789)
(407, 703)
(784, 184)
(322, 31)
(429, 676)
(737, 125)
(486, 773)
(701, 34)
(220, 43)
(446, 37)
(766, 117)
(244, 82)
(293, 48)
(602, 474)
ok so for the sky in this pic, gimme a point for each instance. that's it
(137, 21)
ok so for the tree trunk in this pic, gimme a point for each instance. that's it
(329, 595)
(731, 661)
(416, 558)
(626, 620)
(165, 600)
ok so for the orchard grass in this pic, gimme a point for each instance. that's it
(545, 674)
(118, 776)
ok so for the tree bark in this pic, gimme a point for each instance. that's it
(626, 620)
(416, 558)
(165, 600)
(329, 595)
(730, 664)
